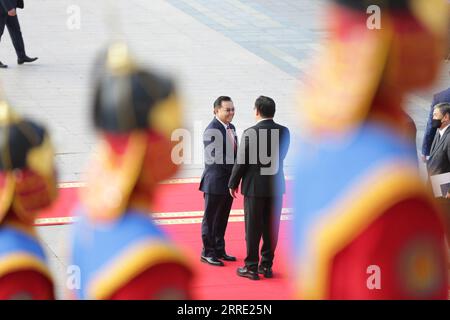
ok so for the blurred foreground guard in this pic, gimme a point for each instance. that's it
(27, 184)
(119, 250)
(365, 226)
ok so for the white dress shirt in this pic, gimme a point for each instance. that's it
(442, 131)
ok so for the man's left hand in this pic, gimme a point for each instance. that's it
(233, 192)
(12, 12)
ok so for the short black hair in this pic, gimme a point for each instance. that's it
(265, 106)
(219, 100)
(444, 108)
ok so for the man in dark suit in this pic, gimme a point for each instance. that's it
(8, 17)
(439, 161)
(260, 166)
(428, 137)
(220, 144)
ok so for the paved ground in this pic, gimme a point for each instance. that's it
(212, 47)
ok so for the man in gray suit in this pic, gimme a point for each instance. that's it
(8, 18)
(439, 161)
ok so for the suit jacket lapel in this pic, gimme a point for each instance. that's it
(441, 141)
(220, 126)
(433, 145)
(225, 135)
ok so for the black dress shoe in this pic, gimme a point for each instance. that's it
(211, 261)
(245, 272)
(3, 66)
(25, 59)
(226, 257)
(266, 271)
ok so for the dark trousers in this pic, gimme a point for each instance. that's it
(12, 23)
(262, 220)
(214, 224)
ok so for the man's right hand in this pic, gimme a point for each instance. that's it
(233, 192)
(12, 12)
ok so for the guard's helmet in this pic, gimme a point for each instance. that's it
(135, 111)
(27, 173)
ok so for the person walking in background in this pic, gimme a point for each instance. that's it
(8, 18)
(428, 137)
(263, 186)
(214, 182)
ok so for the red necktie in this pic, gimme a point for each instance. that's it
(230, 133)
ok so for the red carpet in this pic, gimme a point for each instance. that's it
(222, 283)
(179, 209)
(178, 201)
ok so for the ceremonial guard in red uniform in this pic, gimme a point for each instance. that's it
(365, 226)
(120, 252)
(27, 184)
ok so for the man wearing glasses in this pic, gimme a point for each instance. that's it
(220, 144)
